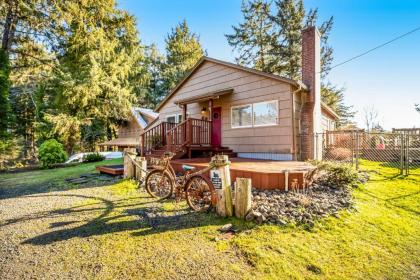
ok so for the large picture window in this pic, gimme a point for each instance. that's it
(242, 116)
(265, 113)
(257, 114)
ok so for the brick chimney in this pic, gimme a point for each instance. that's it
(311, 77)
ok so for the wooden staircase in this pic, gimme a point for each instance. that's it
(190, 138)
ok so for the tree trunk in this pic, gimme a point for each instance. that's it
(9, 28)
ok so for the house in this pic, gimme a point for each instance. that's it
(221, 107)
(128, 134)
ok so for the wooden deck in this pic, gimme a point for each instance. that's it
(111, 169)
(264, 174)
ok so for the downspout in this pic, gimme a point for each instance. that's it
(293, 121)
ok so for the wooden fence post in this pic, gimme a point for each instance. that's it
(224, 205)
(243, 201)
(141, 172)
(129, 171)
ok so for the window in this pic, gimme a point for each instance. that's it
(265, 113)
(174, 118)
(257, 114)
(241, 116)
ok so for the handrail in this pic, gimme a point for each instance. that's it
(155, 137)
(189, 132)
(174, 137)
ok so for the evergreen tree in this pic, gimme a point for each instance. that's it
(100, 55)
(254, 37)
(4, 94)
(155, 63)
(183, 50)
(27, 78)
(333, 96)
(270, 39)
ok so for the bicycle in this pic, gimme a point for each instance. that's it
(197, 189)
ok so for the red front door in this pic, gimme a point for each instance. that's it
(216, 133)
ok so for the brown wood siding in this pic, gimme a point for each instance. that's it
(248, 88)
(130, 129)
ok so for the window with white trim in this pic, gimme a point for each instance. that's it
(241, 116)
(256, 114)
(265, 113)
(174, 118)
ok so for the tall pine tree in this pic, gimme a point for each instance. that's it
(253, 38)
(183, 50)
(155, 91)
(278, 38)
(4, 94)
(93, 84)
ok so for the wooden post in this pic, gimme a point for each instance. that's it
(141, 172)
(184, 112)
(128, 165)
(286, 180)
(224, 205)
(243, 201)
(211, 120)
(142, 145)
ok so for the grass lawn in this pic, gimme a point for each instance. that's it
(52, 229)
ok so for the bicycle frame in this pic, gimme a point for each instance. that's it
(187, 176)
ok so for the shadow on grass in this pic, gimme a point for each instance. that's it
(138, 216)
(55, 184)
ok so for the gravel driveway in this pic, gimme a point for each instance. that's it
(109, 232)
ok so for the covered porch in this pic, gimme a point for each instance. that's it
(194, 133)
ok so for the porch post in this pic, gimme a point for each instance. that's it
(211, 120)
(184, 112)
(184, 116)
(210, 109)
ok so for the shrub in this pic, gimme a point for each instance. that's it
(51, 152)
(337, 175)
(339, 154)
(93, 157)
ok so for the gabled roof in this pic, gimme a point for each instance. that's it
(232, 65)
(140, 114)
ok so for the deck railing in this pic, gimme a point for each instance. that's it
(155, 137)
(189, 132)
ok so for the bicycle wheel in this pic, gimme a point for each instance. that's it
(159, 184)
(199, 193)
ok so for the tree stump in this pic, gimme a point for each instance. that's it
(224, 206)
(141, 168)
(243, 201)
(129, 170)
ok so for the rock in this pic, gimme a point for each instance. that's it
(278, 207)
(281, 222)
(226, 228)
(249, 216)
(259, 218)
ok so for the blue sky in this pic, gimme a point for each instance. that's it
(387, 79)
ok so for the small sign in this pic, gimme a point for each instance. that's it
(216, 179)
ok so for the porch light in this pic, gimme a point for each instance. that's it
(203, 111)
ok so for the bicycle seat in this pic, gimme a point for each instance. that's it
(187, 167)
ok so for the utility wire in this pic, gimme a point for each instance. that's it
(373, 49)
